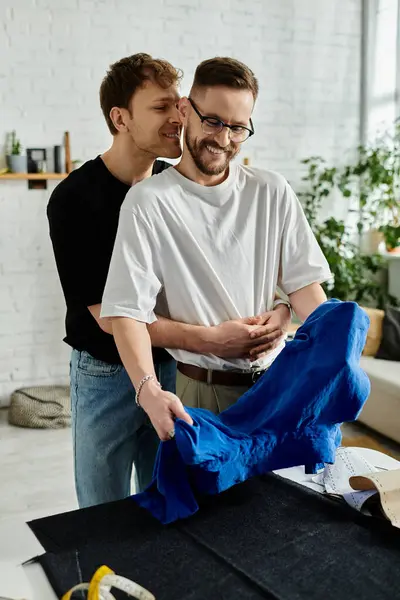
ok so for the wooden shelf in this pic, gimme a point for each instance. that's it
(33, 176)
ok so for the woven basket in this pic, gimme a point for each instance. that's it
(45, 407)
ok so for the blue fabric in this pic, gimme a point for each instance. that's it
(290, 417)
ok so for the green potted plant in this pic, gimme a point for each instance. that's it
(374, 181)
(16, 162)
(356, 276)
(76, 164)
(391, 234)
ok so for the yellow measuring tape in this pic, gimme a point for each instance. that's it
(101, 583)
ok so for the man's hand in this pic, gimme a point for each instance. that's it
(278, 320)
(251, 337)
(162, 408)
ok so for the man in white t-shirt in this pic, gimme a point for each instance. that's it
(208, 241)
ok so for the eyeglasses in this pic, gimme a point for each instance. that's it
(213, 126)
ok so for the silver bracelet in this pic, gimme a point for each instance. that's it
(141, 384)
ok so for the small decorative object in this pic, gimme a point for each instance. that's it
(15, 161)
(57, 159)
(42, 166)
(36, 160)
(67, 147)
(76, 164)
(391, 234)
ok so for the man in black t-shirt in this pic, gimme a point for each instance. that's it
(138, 98)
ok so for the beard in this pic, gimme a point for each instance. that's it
(204, 160)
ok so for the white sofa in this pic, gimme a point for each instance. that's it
(382, 409)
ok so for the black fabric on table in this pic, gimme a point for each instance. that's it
(265, 538)
(106, 522)
(172, 566)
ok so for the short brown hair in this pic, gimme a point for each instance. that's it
(127, 75)
(225, 71)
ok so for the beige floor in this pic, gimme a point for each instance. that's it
(36, 471)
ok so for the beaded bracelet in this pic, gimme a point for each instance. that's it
(141, 384)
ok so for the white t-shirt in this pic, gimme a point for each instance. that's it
(205, 255)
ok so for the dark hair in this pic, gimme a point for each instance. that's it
(225, 71)
(127, 75)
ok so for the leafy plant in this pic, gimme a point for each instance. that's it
(15, 144)
(375, 181)
(391, 233)
(355, 276)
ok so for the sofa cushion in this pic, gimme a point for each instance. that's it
(374, 335)
(389, 348)
(382, 409)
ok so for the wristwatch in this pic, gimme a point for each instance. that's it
(281, 301)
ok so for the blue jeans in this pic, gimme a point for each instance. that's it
(110, 432)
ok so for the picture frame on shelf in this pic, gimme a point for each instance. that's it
(37, 160)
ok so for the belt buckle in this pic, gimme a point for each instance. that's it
(255, 376)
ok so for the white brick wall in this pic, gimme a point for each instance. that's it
(54, 55)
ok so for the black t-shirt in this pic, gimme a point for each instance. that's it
(83, 214)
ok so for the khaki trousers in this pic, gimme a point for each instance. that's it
(199, 394)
